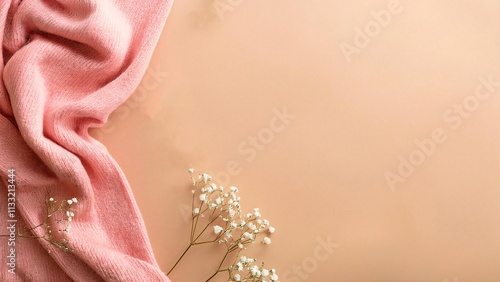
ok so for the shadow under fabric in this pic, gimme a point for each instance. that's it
(66, 65)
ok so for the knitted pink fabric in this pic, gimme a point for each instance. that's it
(67, 64)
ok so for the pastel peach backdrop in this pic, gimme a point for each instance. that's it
(367, 132)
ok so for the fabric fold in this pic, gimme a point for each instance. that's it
(66, 65)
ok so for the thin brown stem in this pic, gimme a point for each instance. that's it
(201, 233)
(205, 242)
(177, 262)
(218, 268)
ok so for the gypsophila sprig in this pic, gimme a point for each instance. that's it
(245, 269)
(58, 217)
(217, 218)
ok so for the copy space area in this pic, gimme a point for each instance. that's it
(370, 139)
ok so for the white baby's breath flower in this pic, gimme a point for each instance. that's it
(190, 170)
(265, 272)
(51, 199)
(206, 177)
(240, 245)
(70, 202)
(256, 212)
(248, 235)
(218, 229)
(251, 226)
(274, 276)
(237, 277)
(218, 201)
(271, 229)
(196, 211)
(231, 212)
(74, 200)
(254, 270)
(266, 241)
(203, 197)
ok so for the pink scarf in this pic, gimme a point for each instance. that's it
(67, 64)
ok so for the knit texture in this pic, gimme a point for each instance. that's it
(66, 65)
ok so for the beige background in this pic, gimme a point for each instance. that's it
(323, 174)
